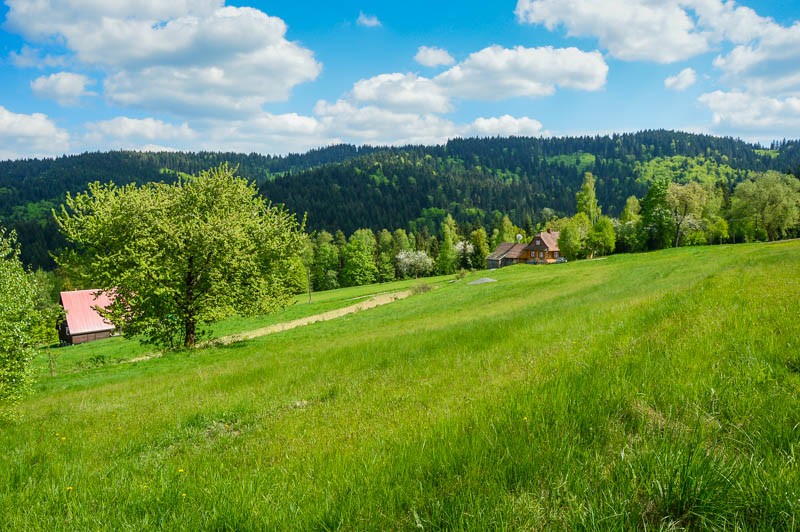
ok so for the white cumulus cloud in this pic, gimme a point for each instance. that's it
(33, 135)
(769, 64)
(765, 56)
(267, 133)
(431, 56)
(138, 129)
(368, 21)
(30, 57)
(373, 125)
(190, 58)
(496, 73)
(682, 80)
(402, 92)
(504, 126)
(744, 111)
(64, 87)
(653, 30)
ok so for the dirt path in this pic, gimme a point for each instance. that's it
(375, 301)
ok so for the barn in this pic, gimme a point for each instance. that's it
(83, 322)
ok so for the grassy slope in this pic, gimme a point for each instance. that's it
(115, 350)
(642, 390)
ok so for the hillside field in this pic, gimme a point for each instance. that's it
(656, 390)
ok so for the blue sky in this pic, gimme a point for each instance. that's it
(287, 76)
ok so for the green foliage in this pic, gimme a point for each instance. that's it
(325, 269)
(628, 228)
(583, 162)
(683, 169)
(385, 258)
(358, 256)
(686, 204)
(447, 258)
(586, 199)
(601, 238)
(176, 256)
(658, 229)
(507, 231)
(572, 240)
(532, 180)
(480, 247)
(27, 320)
(768, 206)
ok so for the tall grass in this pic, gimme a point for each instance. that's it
(646, 391)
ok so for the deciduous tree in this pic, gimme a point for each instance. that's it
(480, 247)
(447, 258)
(414, 263)
(601, 238)
(359, 259)
(686, 207)
(586, 199)
(24, 324)
(658, 229)
(177, 256)
(768, 204)
(325, 271)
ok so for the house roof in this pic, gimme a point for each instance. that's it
(507, 250)
(548, 239)
(515, 252)
(82, 317)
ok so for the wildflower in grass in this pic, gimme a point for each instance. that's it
(63, 438)
(183, 495)
(180, 470)
(69, 488)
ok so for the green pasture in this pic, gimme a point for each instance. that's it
(655, 391)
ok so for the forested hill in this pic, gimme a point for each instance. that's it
(347, 187)
(527, 178)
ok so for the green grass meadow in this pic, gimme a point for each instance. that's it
(651, 391)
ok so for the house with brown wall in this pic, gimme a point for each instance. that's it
(542, 249)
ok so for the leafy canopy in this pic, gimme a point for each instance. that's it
(175, 256)
(23, 324)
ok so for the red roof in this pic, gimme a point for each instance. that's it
(82, 317)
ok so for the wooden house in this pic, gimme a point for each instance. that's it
(83, 323)
(506, 254)
(543, 248)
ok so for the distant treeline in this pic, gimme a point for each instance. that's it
(476, 181)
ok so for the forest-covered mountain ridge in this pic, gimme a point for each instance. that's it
(346, 187)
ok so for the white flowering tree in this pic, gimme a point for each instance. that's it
(416, 263)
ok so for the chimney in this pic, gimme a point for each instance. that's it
(548, 230)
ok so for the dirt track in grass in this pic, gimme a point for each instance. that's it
(372, 302)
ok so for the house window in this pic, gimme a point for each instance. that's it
(555, 254)
(541, 254)
(538, 242)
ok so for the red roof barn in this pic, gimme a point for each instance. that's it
(83, 323)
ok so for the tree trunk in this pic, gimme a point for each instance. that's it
(189, 320)
(190, 332)
(308, 275)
